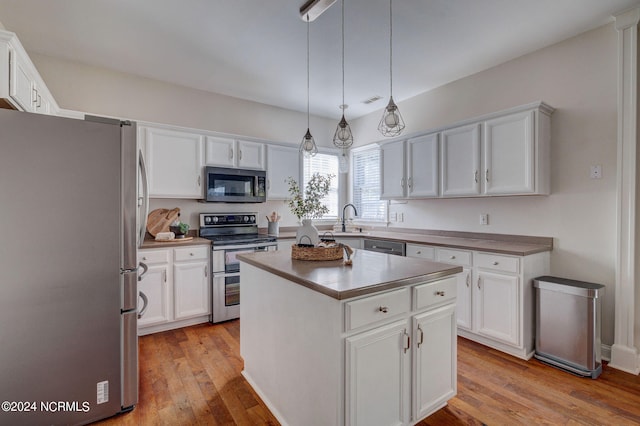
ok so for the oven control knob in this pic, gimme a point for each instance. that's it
(253, 219)
(245, 219)
(207, 219)
(215, 219)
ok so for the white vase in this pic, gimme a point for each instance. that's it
(307, 230)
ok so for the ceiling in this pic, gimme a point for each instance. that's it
(256, 49)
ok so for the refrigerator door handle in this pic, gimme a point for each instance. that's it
(145, 198)
(145, 304)
(144, 267)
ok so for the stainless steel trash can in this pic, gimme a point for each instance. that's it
(568, 324)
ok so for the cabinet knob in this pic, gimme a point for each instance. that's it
(419, 252)
(383, 309)
(495, 263)
(439, 293)
(190, 254)
(452, 257)
(144, 257)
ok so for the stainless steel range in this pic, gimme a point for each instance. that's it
(231, 234)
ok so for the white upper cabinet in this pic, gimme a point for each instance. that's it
(282, 162)
(504, 153)
(21, 87)
(422, 166)
(410, 168)
(225, 152)
(516, 153)
(461, 161)
(174, 162)
(393, 176)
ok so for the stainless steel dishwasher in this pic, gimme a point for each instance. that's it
(381, 246)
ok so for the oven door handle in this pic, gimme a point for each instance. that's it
(243, 246)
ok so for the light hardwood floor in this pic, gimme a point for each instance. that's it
(191, 376)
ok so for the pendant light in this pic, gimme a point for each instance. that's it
(308, 145)
(343, 138)
(391, 123)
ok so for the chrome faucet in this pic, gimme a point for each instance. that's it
(355, 212)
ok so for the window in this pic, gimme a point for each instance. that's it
(366, 185)
(325, 164)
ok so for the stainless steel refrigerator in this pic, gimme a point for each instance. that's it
(69, 231)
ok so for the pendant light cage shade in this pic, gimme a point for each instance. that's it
(391, 123)
(343, 138)
(308, 146)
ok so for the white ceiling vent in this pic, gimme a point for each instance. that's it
(372, 99)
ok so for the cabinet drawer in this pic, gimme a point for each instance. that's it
(424, 252)
(191, 253)
(455, 257)
(435, 293)
(149, 257)
(376, 308)
(496, 262)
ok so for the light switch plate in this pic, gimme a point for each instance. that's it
(484, 218)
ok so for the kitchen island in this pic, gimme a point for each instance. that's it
(373, 343)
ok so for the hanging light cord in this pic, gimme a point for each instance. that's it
(342, 57)
(308, 125)
(390, 49)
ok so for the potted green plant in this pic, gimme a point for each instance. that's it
(308, 205)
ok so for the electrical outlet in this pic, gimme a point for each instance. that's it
(596, 172)
(484, 218)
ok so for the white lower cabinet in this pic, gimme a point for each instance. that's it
(434, 360)
(401, 372)
(378, 368)
(191, 282)
(495, 297)
(154, 286)
(177, 288)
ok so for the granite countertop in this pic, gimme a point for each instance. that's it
(371, 272)
(495, 243)
(150, 243)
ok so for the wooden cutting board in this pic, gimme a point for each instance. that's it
(160, 219)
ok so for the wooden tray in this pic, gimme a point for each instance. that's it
(316, 253)
(175, 240)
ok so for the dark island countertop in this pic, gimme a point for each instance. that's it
(371, 272)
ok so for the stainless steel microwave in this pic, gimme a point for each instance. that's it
(235, 185)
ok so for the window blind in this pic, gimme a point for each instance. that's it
(366, 185)
(325, 164)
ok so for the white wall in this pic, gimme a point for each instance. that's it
(578, 77)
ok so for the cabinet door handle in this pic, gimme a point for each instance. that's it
(478, 283)
(495, 263)
(199, 179)
(410, 183)
(468, 280)
(407, 344)
(39, 101)
(268, 184)
(239, 154)
(402, 183)
(486, 175)
(475, 176)
(165, 275)
(440, 293)
(383, 309)
(34, 95)
(206, 274)
(421, 336)
(230, 153)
